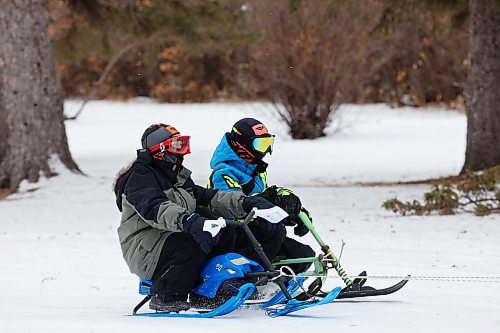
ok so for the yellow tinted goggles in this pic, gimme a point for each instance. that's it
(263, 144)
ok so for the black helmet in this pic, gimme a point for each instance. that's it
(250, 140)
(165, 143)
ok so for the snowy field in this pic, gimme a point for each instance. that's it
(61, 263)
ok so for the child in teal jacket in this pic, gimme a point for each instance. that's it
(237, 165)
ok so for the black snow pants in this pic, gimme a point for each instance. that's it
(270, 240)
(276, 246)
(292, 249)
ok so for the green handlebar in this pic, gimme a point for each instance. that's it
(305, 219)
(325, 248)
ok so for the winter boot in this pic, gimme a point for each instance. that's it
(169, 304)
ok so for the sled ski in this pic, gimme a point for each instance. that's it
(294, 305)
(358, 290)
(245, 291)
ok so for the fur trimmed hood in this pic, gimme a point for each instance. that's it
(120, 173)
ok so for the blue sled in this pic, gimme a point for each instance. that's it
(234, 266)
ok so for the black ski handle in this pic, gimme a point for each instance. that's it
(248, 218)
(260, 251)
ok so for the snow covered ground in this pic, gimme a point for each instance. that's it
(61, 266)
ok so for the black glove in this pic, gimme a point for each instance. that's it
(260, 203)
(256, 201)
(300, 228)
(194, 224)
(283, 198)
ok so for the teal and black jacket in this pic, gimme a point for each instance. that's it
(232, 173)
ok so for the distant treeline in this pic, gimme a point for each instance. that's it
(197, 51)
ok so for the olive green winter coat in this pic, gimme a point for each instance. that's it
(154, 202)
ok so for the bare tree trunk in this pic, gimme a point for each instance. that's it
(483, 87)
(32, 128)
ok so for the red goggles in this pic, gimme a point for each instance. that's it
(175, 145)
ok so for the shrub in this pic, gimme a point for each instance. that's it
(477, 192)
